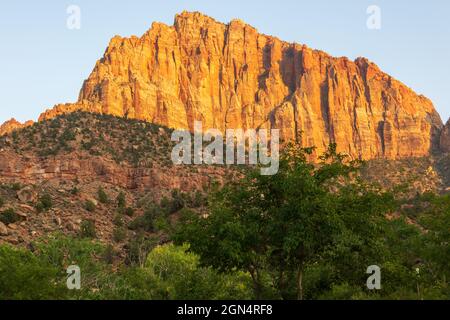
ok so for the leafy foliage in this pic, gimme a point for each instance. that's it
(9, 216)
(23, 276)
(307, 232)
(102, 196)
(45, 203)
(87, 229)
(89, 205)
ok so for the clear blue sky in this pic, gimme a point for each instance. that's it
(42, 62)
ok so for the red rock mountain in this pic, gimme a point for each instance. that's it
(231, 76)
(12, 125)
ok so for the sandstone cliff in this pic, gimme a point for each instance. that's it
(231, 76)
(445, 138)
(12, 125)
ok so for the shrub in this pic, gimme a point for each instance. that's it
(45, 202)
(68, 135)
(9, 216)
(138, 247)
(165, 203)
(129, 211)
(198, 200)
(121, 200)
(74, 191)
(15, 186)
(102, 196)
(39, 207)
(89, 206)
(119, 234)
(118, 221)
(178, 201)
(175, 204)
(87, 229)
(109, 254)
(2, 202)
(146, 222)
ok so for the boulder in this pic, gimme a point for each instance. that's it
(27, 195)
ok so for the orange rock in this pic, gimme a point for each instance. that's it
(12, 125)
(231, 76)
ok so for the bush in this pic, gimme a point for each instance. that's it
(121, 200)
(129, 211)
(119, 234)
(109, 254)
(118, 221)
(2, 202)
(138, 247)
(9, 216)
(178, 201)
(45, 202)
(15, 186)
(39, 207)
(89, 206)
(147, 221)
(75, 191)
(198, 200)
(87, 229)
(175, 204)
(102, 196)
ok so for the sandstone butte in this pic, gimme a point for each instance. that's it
(231, 76)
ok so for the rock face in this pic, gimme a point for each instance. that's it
(3, 229)
(83, 168)
(12, 125)
(231, 76)
(445, 138)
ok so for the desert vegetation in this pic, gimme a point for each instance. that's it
(309, 232)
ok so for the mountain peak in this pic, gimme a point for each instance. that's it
(231, 76)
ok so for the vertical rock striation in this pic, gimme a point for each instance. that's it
(231, 76)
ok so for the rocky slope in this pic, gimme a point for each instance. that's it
(231, 76)
(87, 147)
(70, 157)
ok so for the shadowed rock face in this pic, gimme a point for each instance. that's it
(231, 76)
(445, 138)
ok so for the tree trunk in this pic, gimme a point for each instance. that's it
(256, 283)
(300, 282)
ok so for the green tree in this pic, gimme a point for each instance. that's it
(275, 226)
(102, 196)
(87, 229)
(179, 276)
(24, 276)
(433, 248)
(121, 200)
